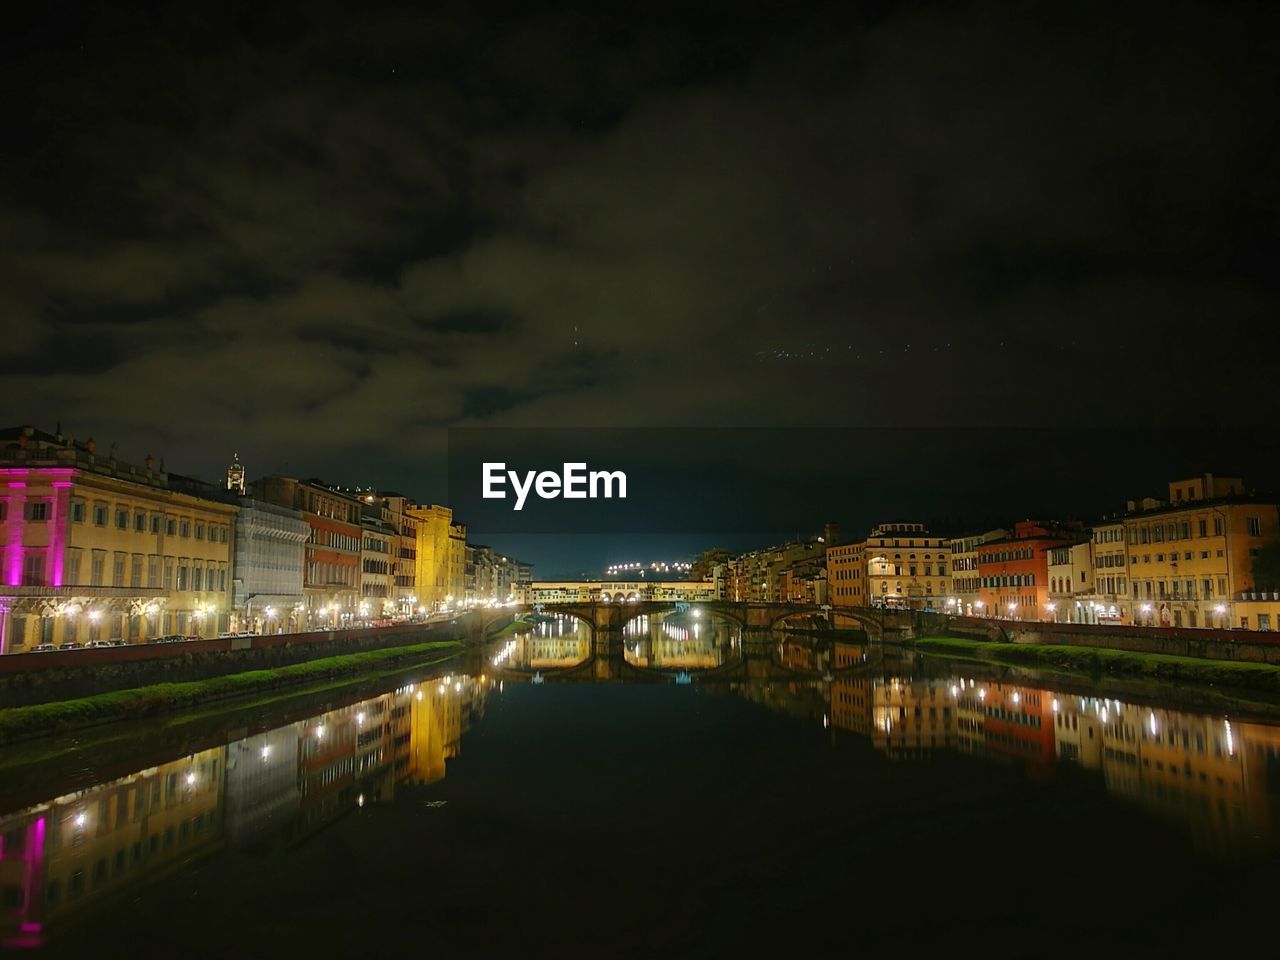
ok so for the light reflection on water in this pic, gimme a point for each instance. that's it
(1218, 776)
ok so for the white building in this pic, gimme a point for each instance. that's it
(270, 548)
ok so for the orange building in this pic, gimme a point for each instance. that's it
(846, 575)
(1013, 573)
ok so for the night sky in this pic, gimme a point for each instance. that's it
(320, 235)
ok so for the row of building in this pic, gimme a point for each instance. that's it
(1187, 560)
(95, 548)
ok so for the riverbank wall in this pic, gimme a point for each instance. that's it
(31, 678)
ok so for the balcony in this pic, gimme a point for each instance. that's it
(95, 593)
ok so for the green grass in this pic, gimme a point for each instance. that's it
(1094, 660)
(40, 719)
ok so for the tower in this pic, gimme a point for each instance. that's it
(235, 475)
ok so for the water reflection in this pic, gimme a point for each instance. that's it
(1217, 775)
(550, 643)
(680, 641)
(276, 788)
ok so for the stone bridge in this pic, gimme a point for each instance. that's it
(608, 619)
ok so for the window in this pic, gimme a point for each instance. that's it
(139, 522)
(182, 575)
(197, 576)
(153, 571)
(117, 572)
(33, 570)
(168, 573)
(1254, 525)
(72, 577)
(184, 528)
(97, 568)
(155, 523)
(122, 519)
(199, 531)
(77, 511)
(170, 526)
(135, 571)
(1203, 527)
(38, 510)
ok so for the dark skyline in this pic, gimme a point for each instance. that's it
(320, 235)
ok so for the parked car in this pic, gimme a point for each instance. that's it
(70, 645)
(191, 636)
(119, 643)
(99, 644)
(43, 648)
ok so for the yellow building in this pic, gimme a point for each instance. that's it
(95, 549)
(965, 581)
(1111, 571)
(433, 564)
(906, 566)
(1191, 558)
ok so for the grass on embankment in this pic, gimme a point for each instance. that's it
(1095, 660)
(17, 723)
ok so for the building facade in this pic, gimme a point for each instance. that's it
(270, 557)
(1014, 571)
(907, 566)
(965, 582)
(1072, 596)
(96, 549)
(1191, 557)
(331, 572)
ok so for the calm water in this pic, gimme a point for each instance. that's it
(689, 794)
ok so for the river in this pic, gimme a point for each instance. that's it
(692, 793)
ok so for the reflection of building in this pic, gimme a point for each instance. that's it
(551, 645)
(851, 699)
(440, 712)
(61, 856)
(98, 549)
(262, 783)
(279, 786)
(1216, 776)
(913, 716)
(664, 643)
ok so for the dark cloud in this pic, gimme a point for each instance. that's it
(318, 236)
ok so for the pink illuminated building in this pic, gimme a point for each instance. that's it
(94, 548)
